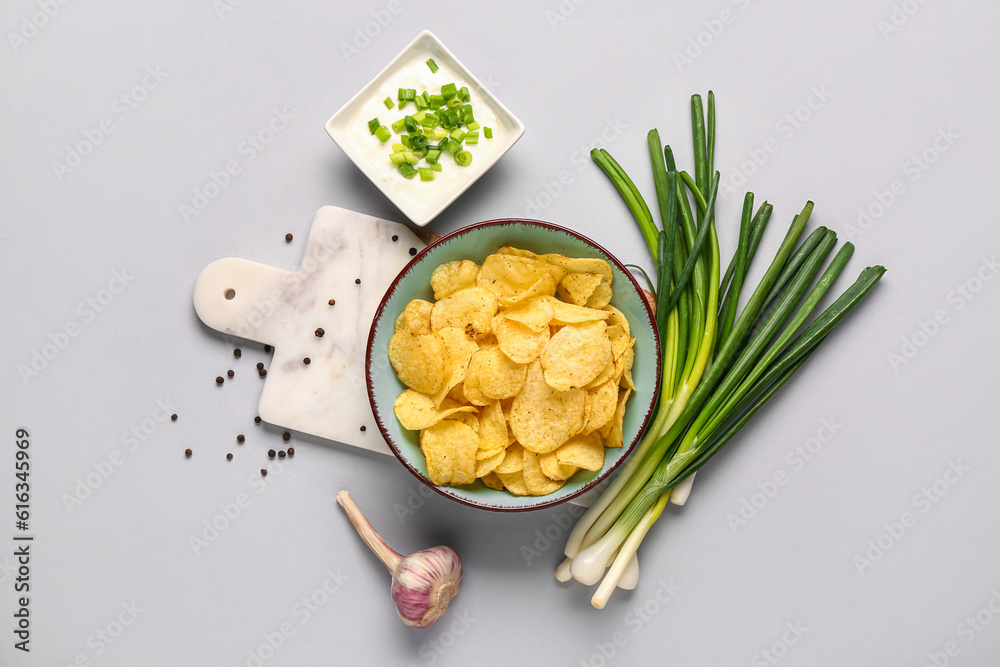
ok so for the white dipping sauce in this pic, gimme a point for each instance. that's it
(424, 196)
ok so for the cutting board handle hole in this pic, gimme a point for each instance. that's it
(230, 294)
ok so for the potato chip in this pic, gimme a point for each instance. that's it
(418, 360)
(470, 385)
(449, 448)
(567, 313)
(536, 481)
(554, 470)
(467, 418)
(544, 286)
(603, 402)
(491, 480)
(576, 355)
(453, 276)
(601, 296)
(508, 275)
(628, 356)
(487, 465)
(458, 349)
(416, 411)
(543, 418)
(498, 376)
(519, 343)
(582, 451)
(492, 428)
(581, 264)
(513, 459)
(514, 482)
(534, 313)
(617, 317)
(576, 288)
(417, 316)
(615, 438)
(619, 339)
(607, 374)
(470, 310)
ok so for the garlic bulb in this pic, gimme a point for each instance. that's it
(423, 583)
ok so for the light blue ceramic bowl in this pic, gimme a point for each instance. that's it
(476, 242)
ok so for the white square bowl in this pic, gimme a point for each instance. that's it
(421, 201)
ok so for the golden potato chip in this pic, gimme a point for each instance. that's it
(628, 356)
(536, 481)
(508, 275)
(607, 374)
(487, 465)
(567, 313)
(470, 310)
(576, 288)
(619, 339)
(617, 317)
(491, 480)
(576, 355)
(498, 376)
(514, 482)
(418, 360)
(416, 411)
(470, 385)
(513, 459)
(581, 265)
(601, 296)
(467, 418)
(554, 470)
(603, 402)
(534, 313)
(449, 448)
(458, 349)
(582, 451)
(519, 343)
(453, 276)
(492, 428)
(543, 418)
(544, 286)
(615, 437)
(417, 316)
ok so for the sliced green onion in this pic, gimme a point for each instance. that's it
(436, 166)
(437, 101)
(418, 141)
(463, 94)
(388, 103)
(457, 135)
(432, 156)
(398, 148)
(488, 132)
(449, 91)
(426, 174)
(472, 138)
(409, 123)
(410, 157)
(407, 170)
(399, 125)
(405, 139)
(383, 133)
(373, 125)
(473, 125)
(434, 68)
(454, 103)
(464, 158)
(398, 157)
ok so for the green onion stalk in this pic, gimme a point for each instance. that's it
(720, 365)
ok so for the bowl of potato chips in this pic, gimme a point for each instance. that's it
(513, 365)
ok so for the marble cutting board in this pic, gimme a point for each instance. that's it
(327, 397)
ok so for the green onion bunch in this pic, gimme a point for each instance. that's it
(720, 364)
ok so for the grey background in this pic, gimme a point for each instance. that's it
(607, 68)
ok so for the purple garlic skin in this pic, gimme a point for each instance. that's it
(425, 583)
